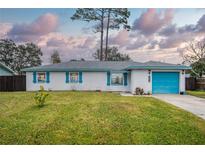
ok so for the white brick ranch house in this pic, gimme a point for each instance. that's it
(153, 77)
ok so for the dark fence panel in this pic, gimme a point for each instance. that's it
(200, 83)
(13, 83)
(195, 83)
(191, 83)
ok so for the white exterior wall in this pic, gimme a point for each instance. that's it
(91, 81)
(98, 81)
(139, 78)
(182, 81)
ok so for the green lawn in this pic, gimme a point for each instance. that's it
(95, 118)
(200, 94)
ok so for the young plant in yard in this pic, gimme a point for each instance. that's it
(40, 97)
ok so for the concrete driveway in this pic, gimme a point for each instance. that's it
(192, 104)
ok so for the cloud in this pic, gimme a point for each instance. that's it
(69, 47)
(163, 55)
(174, 36)
(168, 30)
(138, 42)
(153, 37)
(41, 26)
(151, 21)
(201, 24)
(4, 29)
(121, 39)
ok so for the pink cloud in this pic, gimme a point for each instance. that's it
(151, 21)
(121, 39)
(4, 29)
(41, 26)
(69, 47)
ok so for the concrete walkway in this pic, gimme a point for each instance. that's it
(192, 104)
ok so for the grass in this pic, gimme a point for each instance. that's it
(95, 118)
(197, 93)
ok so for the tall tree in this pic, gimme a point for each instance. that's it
(115, 18)
(198, 68)
(8, 49)
(113, 55)
(55, 57)
(89, 15)
(195, 56)
(21, 56)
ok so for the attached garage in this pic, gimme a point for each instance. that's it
(165, 82)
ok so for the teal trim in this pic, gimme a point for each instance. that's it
(5, 72)
(47, 77)
(8, 70)
(119, 71)
(34, 77)
(66, 69)
(180, 67)
(62, 69)
(80, 77)
(108, 78)
(125, 75)
(67, 77)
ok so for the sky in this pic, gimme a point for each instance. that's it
(156, 34)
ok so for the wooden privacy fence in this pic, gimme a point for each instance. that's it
(190, 83)
(200, 83)
(13, 83)
(195, 83)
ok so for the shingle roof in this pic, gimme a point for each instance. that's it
(156, 65)
(99, 66)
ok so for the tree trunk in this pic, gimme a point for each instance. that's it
(107, 33)
(101, 41)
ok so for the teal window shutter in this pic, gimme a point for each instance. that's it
(47, 77)
(80, 77)
(108, 78)
(125, 78)
(34, 77)
(67, 77)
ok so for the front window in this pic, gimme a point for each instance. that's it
(117, 79)
(41, 77)
(73, 76)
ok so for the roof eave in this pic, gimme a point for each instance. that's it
(159, 68)
(72, 69)
(9, 69)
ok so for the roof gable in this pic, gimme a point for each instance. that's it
(7, 68)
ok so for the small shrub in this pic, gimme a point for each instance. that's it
(40, 97)
(139, 91)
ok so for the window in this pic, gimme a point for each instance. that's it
(41, 77)
(117, 79)
(73, 76)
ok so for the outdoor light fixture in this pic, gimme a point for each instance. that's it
(149, 78)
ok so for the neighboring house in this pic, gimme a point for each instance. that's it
(5, 70)
(153, 77)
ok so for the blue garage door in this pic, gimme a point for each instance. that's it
(165, 82)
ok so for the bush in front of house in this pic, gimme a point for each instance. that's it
(139, 91)
(40, 97)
